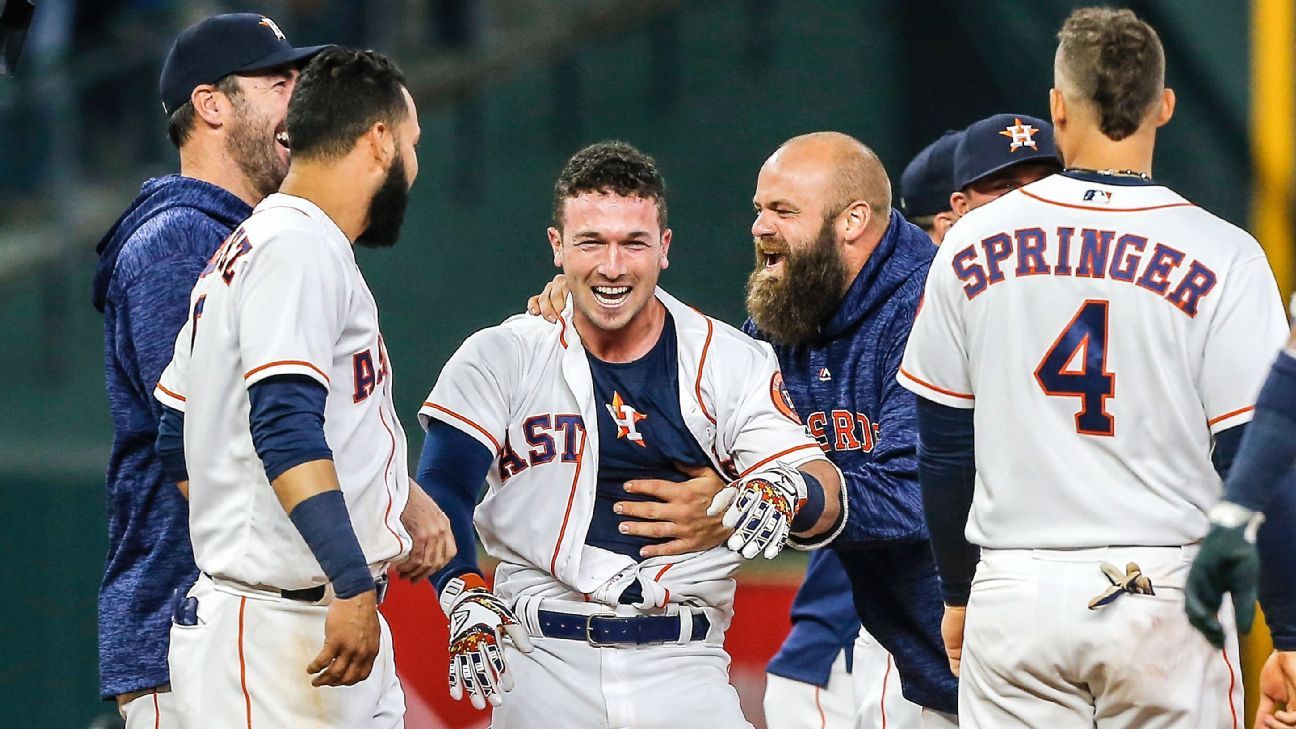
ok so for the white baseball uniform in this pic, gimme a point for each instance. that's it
(1104, 332)
(524, 389)
(283, 295)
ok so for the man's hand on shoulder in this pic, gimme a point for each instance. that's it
(550, 302)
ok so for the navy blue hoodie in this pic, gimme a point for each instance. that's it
(844, 386)
(148, 263)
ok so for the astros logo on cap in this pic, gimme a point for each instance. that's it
(1022, 135)
(279, 33)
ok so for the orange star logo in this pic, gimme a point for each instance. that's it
(626, 419)
(1022, 135)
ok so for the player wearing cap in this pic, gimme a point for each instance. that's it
(999, 154)
(225, 86)
(1088, 349)
(926, 185)
(629, 383)
(279, 425)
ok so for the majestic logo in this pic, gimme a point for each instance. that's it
(825, 375)
(782, 400)
(271, 25)
(1022, 135)
(1102, 197)
(627, 420)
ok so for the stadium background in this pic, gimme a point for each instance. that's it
(507, 89)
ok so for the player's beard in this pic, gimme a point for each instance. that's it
(793, 307)
(387, 209)
(252, 146)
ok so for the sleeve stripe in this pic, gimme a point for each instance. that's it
(469, 421)
(778, 455)
(934, 388)
(1215, 420)
(172, 394)
(286, 363)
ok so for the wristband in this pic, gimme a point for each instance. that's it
(325, 524)
(813, 506)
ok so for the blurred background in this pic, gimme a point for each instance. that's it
(507, 90)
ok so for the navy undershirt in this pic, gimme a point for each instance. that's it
(646, 439)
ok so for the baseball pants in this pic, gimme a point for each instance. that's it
(866, 698)
(243, 665)
(570, 683)
(897, 596)
(1034, 654)
(153, 710)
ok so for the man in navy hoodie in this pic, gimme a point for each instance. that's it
(838, 279)
(225, 87)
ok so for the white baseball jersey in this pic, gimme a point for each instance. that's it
(1103, 332)
(283, 296)
(523, 390)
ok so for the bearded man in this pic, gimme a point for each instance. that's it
(838, 280)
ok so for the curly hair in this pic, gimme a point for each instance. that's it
(610, 167)
(341, 93)
(1115, 61)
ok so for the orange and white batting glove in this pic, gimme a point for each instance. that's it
(759, 508)
(478, 623)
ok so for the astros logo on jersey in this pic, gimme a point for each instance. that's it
(782, 400)
(626, 419)
(1022, 135)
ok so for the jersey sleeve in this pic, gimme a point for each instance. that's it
(291, 303)
(1246, 330)
(469, 393)
(935, 364)
(171, 387)
(764, 426)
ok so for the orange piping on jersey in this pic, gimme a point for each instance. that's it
(562, 333)
(580, 460)
(288, 362)
(823, 720)
(1100, 209)
(1232, 685)
(941, 390)
(1226, 416)
(247, 698)
(662, 571)
(400, 543)
(480, 429)
(780, 454)
(157, 713)
(172, 394)
(882, 703)
(706, 347)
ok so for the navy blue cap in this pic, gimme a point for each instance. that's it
(928, 180)
(212, 49)
(1000, 142)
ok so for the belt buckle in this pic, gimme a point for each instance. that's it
(589, 630)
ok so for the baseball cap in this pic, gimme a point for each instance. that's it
(220, 45)
(928, 180)
(999, 142)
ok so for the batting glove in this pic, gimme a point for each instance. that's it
(759, 508)
(1228, 562)
(478, 622)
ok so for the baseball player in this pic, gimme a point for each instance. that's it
(629, 383)
(999, 154)
(926, 185)
(225, 86)
(1082, 345)
(280, 428)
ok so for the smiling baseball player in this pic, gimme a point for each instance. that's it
(280, 425)
(556, 417)
(1088, 350)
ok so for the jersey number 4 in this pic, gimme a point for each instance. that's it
(1076, 366)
